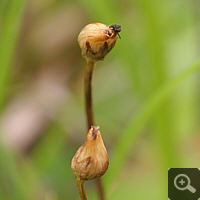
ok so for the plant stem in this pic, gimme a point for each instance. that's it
(100, 189)
(81, 187)
(89, 111)
(88, 92)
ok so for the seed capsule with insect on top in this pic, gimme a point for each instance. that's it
(97, 39)
(91, 160)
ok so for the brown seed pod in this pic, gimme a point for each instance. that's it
(91, 160)
(97, 39)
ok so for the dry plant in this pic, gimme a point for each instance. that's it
(91, 160)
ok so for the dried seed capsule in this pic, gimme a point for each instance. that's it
(97, 39)
(91, 160)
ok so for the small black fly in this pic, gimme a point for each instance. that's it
(116, 28)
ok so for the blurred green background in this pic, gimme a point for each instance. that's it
(146, 96)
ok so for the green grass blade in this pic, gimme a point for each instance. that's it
(12, 181)
(9, 34)
(131, 133)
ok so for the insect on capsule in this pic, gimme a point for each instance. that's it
(97, 39)
(116, 28)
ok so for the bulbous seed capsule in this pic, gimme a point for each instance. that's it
(91, 160)
(97, 39)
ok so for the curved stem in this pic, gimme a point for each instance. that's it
(100, 189)
(88, 92)
(89, 111)
(81, 187)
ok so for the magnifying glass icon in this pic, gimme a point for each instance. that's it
(182, 182)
